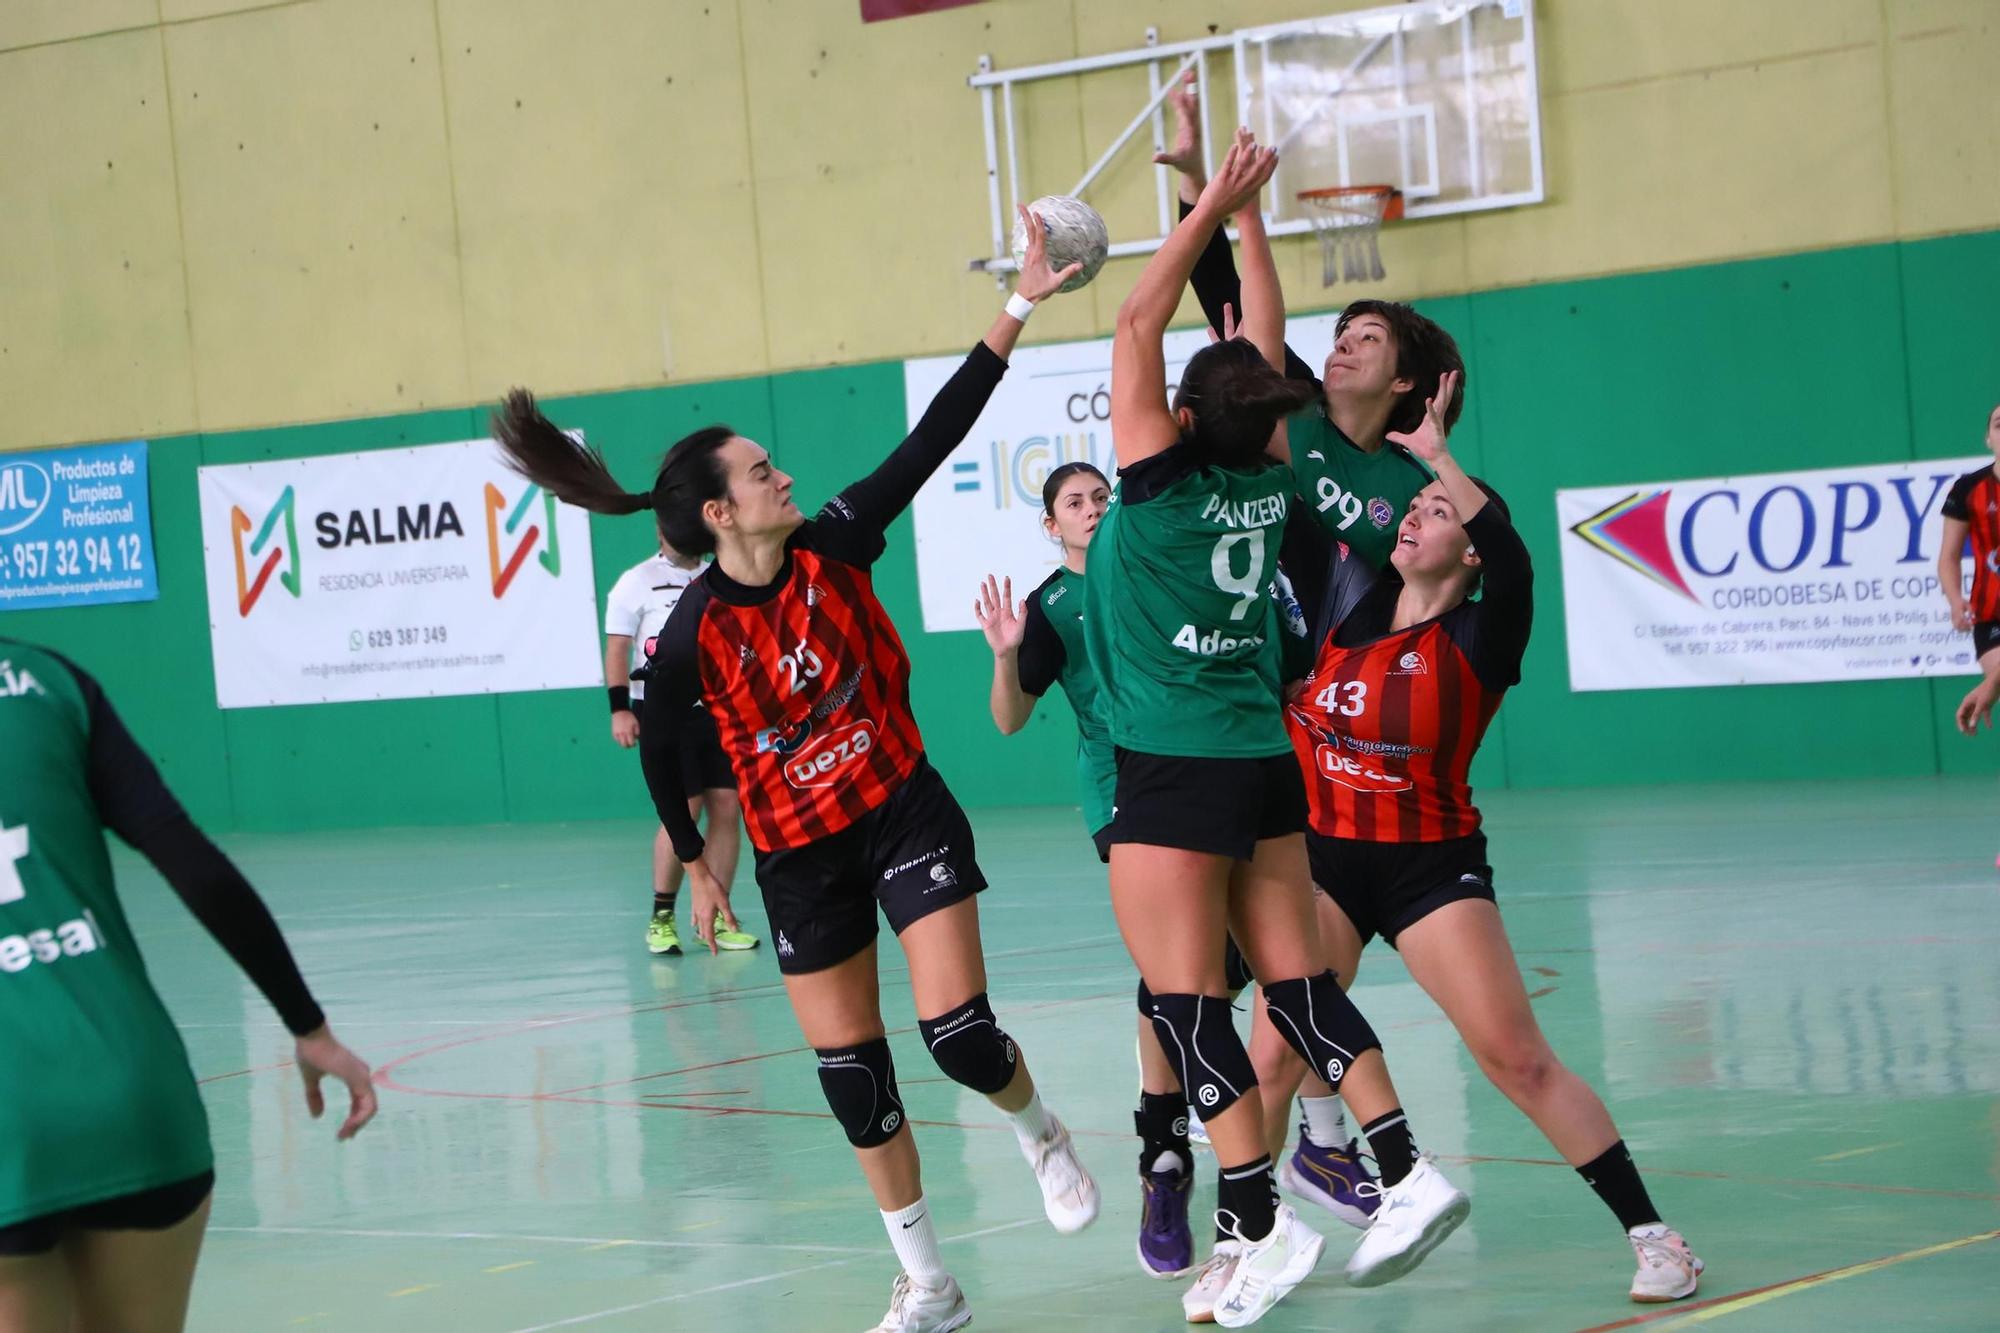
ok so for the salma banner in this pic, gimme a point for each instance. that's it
(393, 574)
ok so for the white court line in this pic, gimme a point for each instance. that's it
(573, 1320)
(549, 1240)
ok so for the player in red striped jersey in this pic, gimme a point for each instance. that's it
(1409, 672)
(1972, 512)
(784, 641)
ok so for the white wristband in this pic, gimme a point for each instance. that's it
(1020, 307)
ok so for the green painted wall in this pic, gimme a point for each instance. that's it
(1849, 356)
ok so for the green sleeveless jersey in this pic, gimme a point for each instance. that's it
(96, 1096)
(1179, 617)
(1358, 496)
(1053, 652)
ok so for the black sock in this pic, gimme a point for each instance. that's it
(1161, 1121)
(1246, 1198)
(1617, 1182)
(1395, 1150)
(664, 902)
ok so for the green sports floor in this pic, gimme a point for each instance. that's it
(1789, 995)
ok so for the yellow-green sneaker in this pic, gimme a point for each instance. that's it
(732, 941)
(661, 936)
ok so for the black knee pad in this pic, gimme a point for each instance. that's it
(1145, 1001)
(1201, 1042)
(860, 1086)
(970, 1048)
(1317, 1020)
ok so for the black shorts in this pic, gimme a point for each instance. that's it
(1386, 887)
(148, 1210)
(704, 767)
(1221, 806)
(913, 854)
(1985, 637)
(1101, 840)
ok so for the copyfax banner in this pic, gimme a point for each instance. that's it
(1778, 578)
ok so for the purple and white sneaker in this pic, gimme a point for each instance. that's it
(1332, 1178)
(1166, 1245)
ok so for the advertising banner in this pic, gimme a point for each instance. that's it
(1761, 580)
(76, 527)
(394, 574)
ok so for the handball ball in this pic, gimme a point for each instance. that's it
(1075, 234)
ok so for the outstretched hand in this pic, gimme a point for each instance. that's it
(1185, 155)
(1004, 621)
(1038, 281)
(1245, 170)
(1427, 441)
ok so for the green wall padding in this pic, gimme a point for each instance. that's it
(1852, 356)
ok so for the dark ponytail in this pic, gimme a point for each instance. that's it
(690, 475)
(1238, 399)
(571, 471)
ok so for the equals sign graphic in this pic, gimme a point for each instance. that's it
(965, 476)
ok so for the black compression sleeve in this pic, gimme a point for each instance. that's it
(1306, 554)
(1506, 606)
(1041, 657)
(1216, 284)
(673, 686)
(852, 524)
(135, 804)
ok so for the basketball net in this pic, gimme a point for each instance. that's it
(1348, 219)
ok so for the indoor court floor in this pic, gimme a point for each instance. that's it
(1788, 994)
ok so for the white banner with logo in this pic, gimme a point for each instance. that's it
(981, 512)
(1772, 579)
(394, 574)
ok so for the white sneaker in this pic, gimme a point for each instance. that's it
(1413, 1218)
(915, 1309)
(1198, 1301)
(1069, 1195)
(1268, 1269)
(1197, 1132)
(1668, 1270)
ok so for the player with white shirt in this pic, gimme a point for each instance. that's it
(639, 604)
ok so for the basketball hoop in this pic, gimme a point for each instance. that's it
(1349, 219)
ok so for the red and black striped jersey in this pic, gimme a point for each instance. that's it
(806, 677)
(1388, 721)
(1974, 500)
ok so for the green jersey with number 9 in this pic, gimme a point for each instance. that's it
(1179, 621)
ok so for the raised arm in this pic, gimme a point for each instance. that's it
(871, 504)
(1141, 424)
(1216, 285)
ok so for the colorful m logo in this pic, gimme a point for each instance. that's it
(249, 589)
(503, 571)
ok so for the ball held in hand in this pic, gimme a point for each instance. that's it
(1074, 234)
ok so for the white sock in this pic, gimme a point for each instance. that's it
(1031, 1123)
(1324, 1123)
(916, 1244)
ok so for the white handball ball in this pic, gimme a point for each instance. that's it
(1076, 234)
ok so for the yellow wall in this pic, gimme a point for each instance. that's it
(216, 214)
